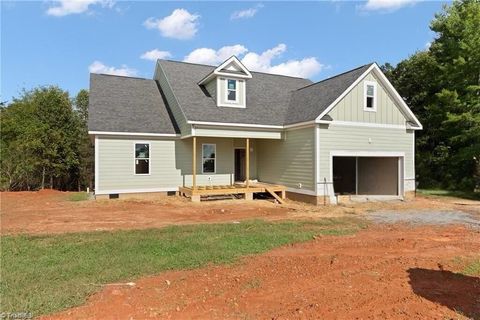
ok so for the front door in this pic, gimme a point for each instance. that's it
(239, 164)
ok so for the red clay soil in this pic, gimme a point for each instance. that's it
(50, 211)
(380, 273)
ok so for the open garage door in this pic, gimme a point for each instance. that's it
(366, 175)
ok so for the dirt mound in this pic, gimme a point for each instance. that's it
(380, 273)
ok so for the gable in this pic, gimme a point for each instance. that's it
(351, 106)
(233, 68)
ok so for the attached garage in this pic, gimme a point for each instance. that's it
(367, 175)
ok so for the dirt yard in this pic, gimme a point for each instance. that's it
(380, 273)
(406, 265)
(48, 211)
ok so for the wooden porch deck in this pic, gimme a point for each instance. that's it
(277, 191)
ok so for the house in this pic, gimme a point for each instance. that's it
(351, 134)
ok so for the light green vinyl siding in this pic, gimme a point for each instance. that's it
(171, 163)
(350, 108)
(236, 133)
(185, 128)
(289, 162)
(211, 88)
(350, 138)
(117, 165)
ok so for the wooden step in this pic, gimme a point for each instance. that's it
(280, 200)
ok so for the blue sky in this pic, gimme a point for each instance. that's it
(60, 42)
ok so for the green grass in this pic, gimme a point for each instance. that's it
(44, 274)
(450, 193)
(472, 269)
(79, 196)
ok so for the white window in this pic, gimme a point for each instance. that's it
(370, 93)
(209, 158)
(142, 158)
(232, 94)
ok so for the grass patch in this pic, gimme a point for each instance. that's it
(44, 274)
(472, 269)
(78, 196)
(450, 193)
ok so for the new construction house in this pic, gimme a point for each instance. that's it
(200, 130)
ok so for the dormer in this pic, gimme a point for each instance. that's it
(227, 83)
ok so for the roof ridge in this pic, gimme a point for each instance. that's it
(335, 76)
(118, 76)
(212, 66)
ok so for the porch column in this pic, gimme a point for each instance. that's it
(247, 161)
(194, 163)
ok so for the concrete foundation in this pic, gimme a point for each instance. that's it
(316, 200)
(143, 195)
(409, 195)
(249, 196)
(195, 198)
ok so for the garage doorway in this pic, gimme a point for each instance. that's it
(367, 175)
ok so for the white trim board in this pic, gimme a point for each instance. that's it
(300, 124)
(141, 134)
(363, 124)
(218, 72)
(229, 124)
(353, 153)
(316, 158)
(120, 191)
(97, 162)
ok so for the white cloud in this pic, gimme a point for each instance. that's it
(263, 62)
(305, 68)
(66, 7)
(247, 13)
(428, 45)
(99, 67)
(214, 57)
(386, 5)
(155, 54)
(181, 24)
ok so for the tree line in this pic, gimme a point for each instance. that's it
(45, 143)
(442, 86)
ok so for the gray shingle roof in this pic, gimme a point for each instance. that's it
(309, 102)
(125, 104)
(268, 95)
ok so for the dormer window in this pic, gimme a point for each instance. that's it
(370, 94)
(227, 84)
(232, 90)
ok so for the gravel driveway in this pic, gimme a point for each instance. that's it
(425, 217)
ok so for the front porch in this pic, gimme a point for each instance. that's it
(276, 191)
(238, 167)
